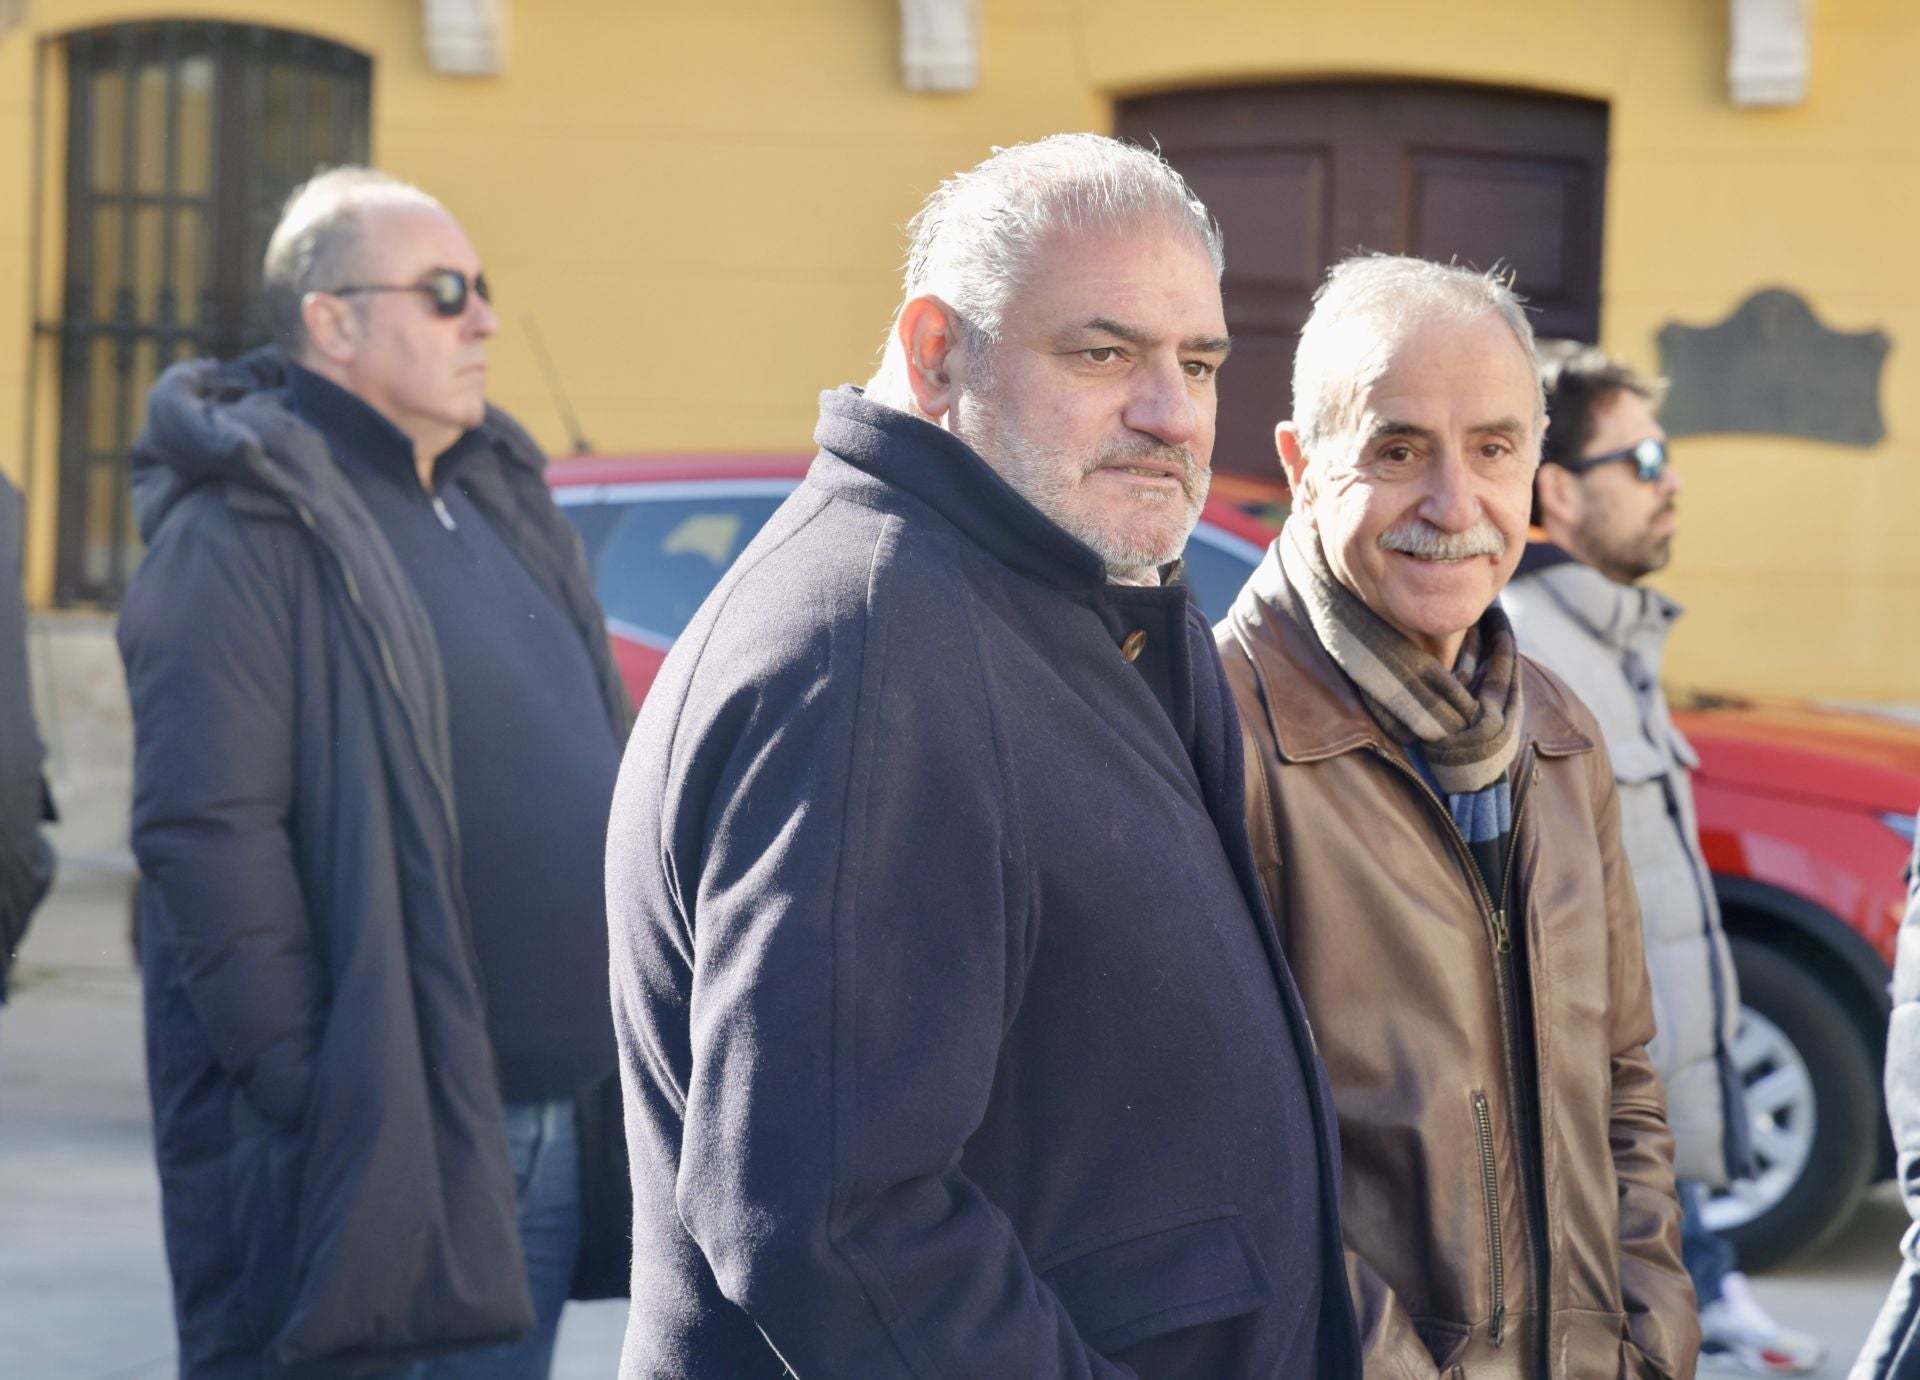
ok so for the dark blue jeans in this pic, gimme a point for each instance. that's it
(545, 1145)
(1708, 1258)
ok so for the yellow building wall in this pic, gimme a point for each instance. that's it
(17, 142)
(699, 208)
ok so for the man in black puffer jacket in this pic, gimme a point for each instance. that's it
(26, 862)
(376, 731)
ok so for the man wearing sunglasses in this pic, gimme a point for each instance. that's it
(377, 728)
(1604, 508)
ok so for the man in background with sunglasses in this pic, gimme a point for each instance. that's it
(377, 728)
(1604, 509)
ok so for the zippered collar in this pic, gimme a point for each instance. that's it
(1622, 617)
(1317, 713)
(227, 422)
(357, 433)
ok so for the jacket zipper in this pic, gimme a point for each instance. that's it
(1535, 1154)
(1490, 1180)
(1502, 936)
(443, 789)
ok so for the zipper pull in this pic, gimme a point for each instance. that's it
(1502, 936)
(440, 511)
(1498, 1332)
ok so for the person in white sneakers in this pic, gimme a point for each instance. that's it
(1604, 512)
(1892, 1351)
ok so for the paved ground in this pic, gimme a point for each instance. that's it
(83, 1282)
(83, 1287)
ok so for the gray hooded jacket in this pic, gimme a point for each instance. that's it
(1606, 641)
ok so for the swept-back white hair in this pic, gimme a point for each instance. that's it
(973, 241)
(1366, 307)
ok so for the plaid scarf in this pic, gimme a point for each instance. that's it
(1461, 725)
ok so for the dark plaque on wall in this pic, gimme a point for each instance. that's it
(1772, 369)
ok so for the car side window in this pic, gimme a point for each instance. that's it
(657, 560)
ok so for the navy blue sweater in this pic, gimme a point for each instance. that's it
(534, 758)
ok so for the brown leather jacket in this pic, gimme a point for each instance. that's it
(1461, 1214)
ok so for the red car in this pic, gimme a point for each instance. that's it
(1806, 817)
(661, 530)
(1807, 821)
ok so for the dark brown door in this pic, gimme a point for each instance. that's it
(1300, 176)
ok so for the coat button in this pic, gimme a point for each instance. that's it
(1134, 643)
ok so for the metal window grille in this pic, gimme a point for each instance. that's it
(184, 140)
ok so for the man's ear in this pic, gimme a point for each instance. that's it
(929, 335)
(333, 328)
(1293, 460)
(1562, 500)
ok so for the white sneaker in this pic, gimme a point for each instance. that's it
(1737, 1336)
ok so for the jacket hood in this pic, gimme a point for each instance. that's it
(203, 427)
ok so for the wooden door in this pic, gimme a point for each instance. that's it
(1300, 176)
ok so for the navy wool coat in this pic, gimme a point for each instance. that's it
(333, 1160)
(954, 1037)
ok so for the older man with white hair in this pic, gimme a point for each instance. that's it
(376, 728)
(954, 1038)
(1437, 832)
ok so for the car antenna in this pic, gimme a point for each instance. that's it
(572, 423)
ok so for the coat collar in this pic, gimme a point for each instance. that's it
(1622, 617)
(229, 422)
(357, 433)
(1316, 712)
(942, 471)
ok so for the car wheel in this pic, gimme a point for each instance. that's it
(1811, 1104)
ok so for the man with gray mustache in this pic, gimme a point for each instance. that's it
(1436, 828)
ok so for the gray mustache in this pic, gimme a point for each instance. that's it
(1422, 539)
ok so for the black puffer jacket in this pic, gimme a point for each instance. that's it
(333, 1161)
(26, 862)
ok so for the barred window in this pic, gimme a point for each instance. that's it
(184, 140)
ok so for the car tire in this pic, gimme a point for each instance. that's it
(1793, 1002)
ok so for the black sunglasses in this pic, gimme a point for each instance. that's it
(1649, 458)
(447, 287)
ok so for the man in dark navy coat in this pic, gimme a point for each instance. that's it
(954, 1036)
(377, 727)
